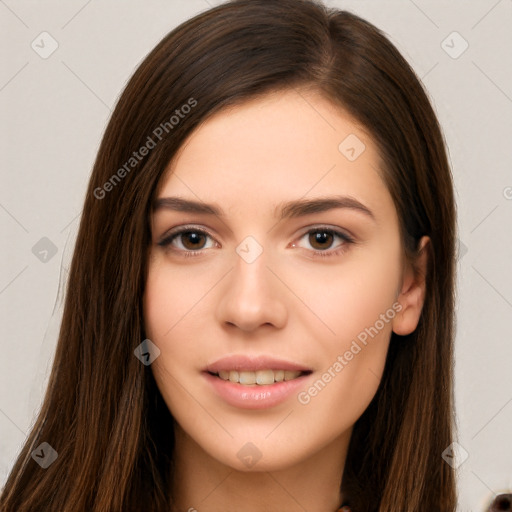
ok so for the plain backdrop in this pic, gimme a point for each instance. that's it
(54, 108)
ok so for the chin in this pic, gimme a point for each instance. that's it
(257, 456)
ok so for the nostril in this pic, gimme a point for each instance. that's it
(502, 503)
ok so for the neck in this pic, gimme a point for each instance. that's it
(203, 484)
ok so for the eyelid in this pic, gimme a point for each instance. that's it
(331, 252)
(167, 237)
(344, 233)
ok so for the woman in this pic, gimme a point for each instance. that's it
(259, 313)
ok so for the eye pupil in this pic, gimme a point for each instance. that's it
(320, 237)
(193, 237)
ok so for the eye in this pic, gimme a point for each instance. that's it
(187, 240)
(190, 241)
(321, 239)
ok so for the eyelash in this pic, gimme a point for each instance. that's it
(169, 238)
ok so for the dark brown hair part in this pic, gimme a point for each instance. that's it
(102, 411)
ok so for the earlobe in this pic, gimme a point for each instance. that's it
(412, 293)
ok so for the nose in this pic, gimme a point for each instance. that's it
(252, 296)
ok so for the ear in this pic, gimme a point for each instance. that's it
(412, 294)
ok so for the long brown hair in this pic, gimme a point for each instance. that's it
(102, 412)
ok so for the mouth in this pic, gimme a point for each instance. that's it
(255, 382)
(265, 377)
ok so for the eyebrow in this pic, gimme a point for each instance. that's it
(289, 210)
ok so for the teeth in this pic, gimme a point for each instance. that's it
(290, 375)
(247, 378)
(261, 377)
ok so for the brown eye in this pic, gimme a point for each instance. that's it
(192, 239)
(321, 242)
(187, 241)
(320, 239)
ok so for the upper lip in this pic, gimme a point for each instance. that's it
(254, 363)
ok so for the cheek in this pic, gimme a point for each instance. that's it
(172, 296)
(353, 361)
(168, 303)
(160, 301)
(177, 306)
(358, 304)
(351, 297)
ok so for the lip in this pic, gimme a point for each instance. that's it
(253, 364)
(255, 396)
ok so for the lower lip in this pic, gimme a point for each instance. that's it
(256, 396)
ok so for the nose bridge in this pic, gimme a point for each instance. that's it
(252, 296)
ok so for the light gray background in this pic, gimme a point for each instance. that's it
(54, 112)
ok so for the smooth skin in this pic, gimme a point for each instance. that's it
(290, 302)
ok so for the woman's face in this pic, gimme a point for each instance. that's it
(276, 284)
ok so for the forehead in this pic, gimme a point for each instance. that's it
(283, 146)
